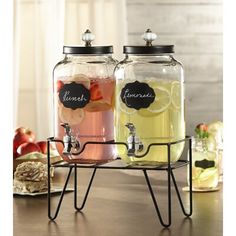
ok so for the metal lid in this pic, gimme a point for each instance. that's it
(87, 37)
(148, 36)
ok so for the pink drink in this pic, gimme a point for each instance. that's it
(93, 122)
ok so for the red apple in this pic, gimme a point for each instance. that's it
(26, 148)
(22, 135)
(15, 155)
(43, 146)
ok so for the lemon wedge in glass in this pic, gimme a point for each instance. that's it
(208, 173)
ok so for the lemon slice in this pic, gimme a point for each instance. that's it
(80, 79)
(95, 106)
(176, 94)
(72, 117)
(208, 173)
(122, 106)
(196, 171)
(162, 100)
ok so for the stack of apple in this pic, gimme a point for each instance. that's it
(24, 142)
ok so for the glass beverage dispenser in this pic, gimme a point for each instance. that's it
(149, 103)
(83, 109)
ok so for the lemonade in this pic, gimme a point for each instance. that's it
(205, 166)
(162, 121)
(204, 178)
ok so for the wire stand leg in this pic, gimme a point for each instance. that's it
(61, 197)
(87, 191)
(190, 184)
(155, 203)
(169, 192)
(180, 199)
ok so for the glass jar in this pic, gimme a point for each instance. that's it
(215, 129)
(83, 87)
(149, 103)
(205, 165)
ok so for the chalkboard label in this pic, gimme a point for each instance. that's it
(74, 95)
(137, 95)
(204, 164)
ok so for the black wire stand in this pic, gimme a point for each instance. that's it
(118, 164)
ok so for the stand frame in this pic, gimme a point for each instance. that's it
(118, 164)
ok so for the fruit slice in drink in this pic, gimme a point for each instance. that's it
(208, 177)
(123, 107)
(96, 106)
(95, 93)
(60, 84)
(196, 171)
(160, 104)
(175, 94)
(80, 79)
(204, 178)
(72, 117)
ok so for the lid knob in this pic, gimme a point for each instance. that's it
(148, 36)
(88, 37)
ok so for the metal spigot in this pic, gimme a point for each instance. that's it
(69, 140)
(134, 143)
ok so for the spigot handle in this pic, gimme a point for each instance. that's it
(131, 128)
(67, 128)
